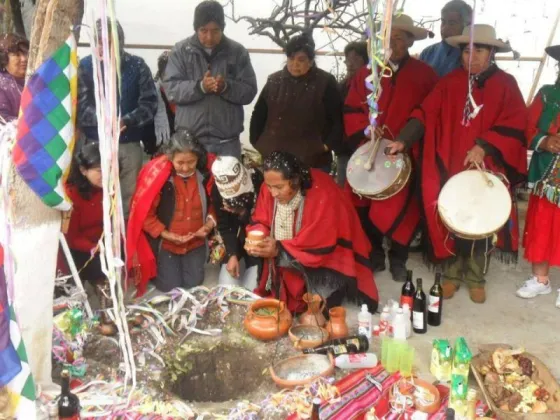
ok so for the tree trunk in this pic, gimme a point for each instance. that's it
(35, 230)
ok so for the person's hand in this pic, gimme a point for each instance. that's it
(379, 131)
(202, 232)
(475, 155)
(220, 84)
(551, 144)
(209, 83)
(395, 147)
(175, 238)
(232, 267)
(267, 248)
(122, 126)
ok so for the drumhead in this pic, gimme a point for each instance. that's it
(471, 208)
(384, 173)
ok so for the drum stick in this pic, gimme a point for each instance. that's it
(484, 175)
(371, 158)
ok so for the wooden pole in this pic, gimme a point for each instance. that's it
(543, 59)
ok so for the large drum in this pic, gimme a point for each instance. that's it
(474, 204)
(374, 175)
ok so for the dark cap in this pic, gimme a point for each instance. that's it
(209, 11)
(554, 52)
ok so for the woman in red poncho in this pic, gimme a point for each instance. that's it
(459, 132)
(314, 239)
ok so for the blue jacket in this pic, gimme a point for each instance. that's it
(442, 57)
(138, 98)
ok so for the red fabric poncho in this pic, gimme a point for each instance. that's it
(151, 180)
(330, 238)
(398, 216)
(499, 125)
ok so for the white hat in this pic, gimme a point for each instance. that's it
(231, 177)
(483, 34)
(405, 23)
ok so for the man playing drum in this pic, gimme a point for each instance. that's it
(460, 130)
(407, 83)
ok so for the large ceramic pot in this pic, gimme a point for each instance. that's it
(268, 319)
(314, 314)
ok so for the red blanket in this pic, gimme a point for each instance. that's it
(398, 216)
(500, 124)
(139, 254)
(331, 237)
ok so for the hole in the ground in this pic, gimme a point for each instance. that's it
(222, 373)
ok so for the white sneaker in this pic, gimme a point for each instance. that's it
(533, 288)
(558, 299)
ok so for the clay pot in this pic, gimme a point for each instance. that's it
(268, 327)
(314, 314)
(307, 336)
(336, 326)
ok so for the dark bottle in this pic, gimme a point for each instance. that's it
(408, 291)
(435, 302)
(68, 403)
(315, 409)
(450, 414)
(419, 321)
(353, 344)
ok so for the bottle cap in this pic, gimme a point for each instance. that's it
(364, 307)
(376, 328)
(316, 401)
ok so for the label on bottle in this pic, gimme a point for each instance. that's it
(407, 300)
(364, 328)
(418, 320)
(357, 357)
(339, 349)
(433, 303)
(353, 341)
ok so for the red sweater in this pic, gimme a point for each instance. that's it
(86, 221)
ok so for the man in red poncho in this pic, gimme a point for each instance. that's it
(459, 131)
(313, 239)
(396, 218)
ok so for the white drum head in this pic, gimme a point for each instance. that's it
(472, 208)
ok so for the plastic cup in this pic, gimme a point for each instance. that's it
(406, 360)
(394, 356)
(385, 341)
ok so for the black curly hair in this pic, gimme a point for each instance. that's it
(184, 142)
(291, 168)
(304, 43)
(88, 157)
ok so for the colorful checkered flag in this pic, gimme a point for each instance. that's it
(46, 127)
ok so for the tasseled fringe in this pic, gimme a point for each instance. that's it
(510, 258)
(551, 192)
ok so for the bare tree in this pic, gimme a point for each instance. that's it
(342, 19)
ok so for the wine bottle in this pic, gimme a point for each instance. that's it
(68, 403)
(315, 409)
(353, 344)
(450, 414)
(419, 324)
(435, 302)
(408, 290)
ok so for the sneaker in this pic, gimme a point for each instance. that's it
(558, 299)
(533, 288)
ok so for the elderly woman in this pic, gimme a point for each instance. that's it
(542, 230)
(299, 109)
(13, 62)
(313, 238)
(171, 211)
(462, 129)
(234, 194)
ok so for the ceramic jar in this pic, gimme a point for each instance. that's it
(336, 326)
(269, 326)
(314, 314)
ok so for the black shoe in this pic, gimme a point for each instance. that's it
(398, 271)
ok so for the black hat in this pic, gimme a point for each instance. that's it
(554, 52)
(209, 11)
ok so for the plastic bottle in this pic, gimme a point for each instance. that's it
(384, 321)
(356, 361)
(364, 322)
(399, 326)
(408, 315)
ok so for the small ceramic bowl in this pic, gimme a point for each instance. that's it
(301, 370)
(307, 336)
(418, 404)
